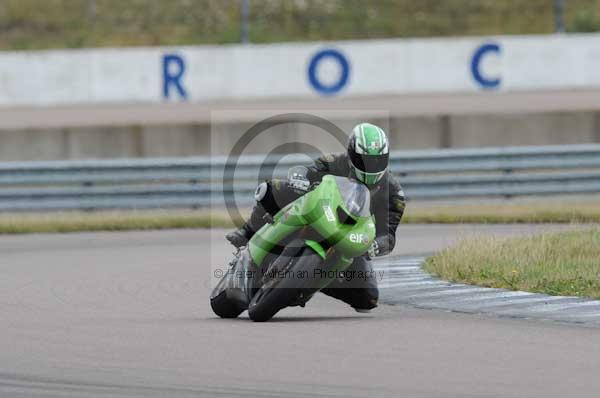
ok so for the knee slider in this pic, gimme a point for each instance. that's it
(367, 299)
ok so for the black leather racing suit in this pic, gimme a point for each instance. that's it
(387, 205)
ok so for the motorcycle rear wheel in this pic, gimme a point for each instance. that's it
(224, 307)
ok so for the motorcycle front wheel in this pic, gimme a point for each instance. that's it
(286, 286)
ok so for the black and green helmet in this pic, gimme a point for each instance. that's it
(368, 151)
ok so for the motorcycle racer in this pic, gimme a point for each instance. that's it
(366, 160)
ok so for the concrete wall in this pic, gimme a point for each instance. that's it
(299, 70)
(536, 129)
(428, 93)
(202, 139)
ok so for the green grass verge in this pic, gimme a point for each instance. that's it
(110, 221)
(36, 24)
(566, 263)
(510, 213)
(20, 223)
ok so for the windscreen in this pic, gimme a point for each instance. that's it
(357, 199)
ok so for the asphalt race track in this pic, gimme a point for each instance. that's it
(127, 315)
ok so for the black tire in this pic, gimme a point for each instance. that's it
(279, 293)
(224, 307)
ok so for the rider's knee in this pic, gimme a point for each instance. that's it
(264, 196)
(261, 191)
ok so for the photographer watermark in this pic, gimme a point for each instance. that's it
(315, 273)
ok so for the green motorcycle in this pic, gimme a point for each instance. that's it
(304, 247)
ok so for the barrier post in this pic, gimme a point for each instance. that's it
(559, 16)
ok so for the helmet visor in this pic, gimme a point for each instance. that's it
(369, 163)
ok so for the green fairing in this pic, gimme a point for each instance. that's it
(318, 209)
(316, 246)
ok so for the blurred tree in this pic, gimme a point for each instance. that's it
(585, 21)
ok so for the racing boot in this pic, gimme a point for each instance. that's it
(240, 237)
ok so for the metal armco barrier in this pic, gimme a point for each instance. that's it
(205, 181)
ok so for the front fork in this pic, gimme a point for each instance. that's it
(332, 261)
